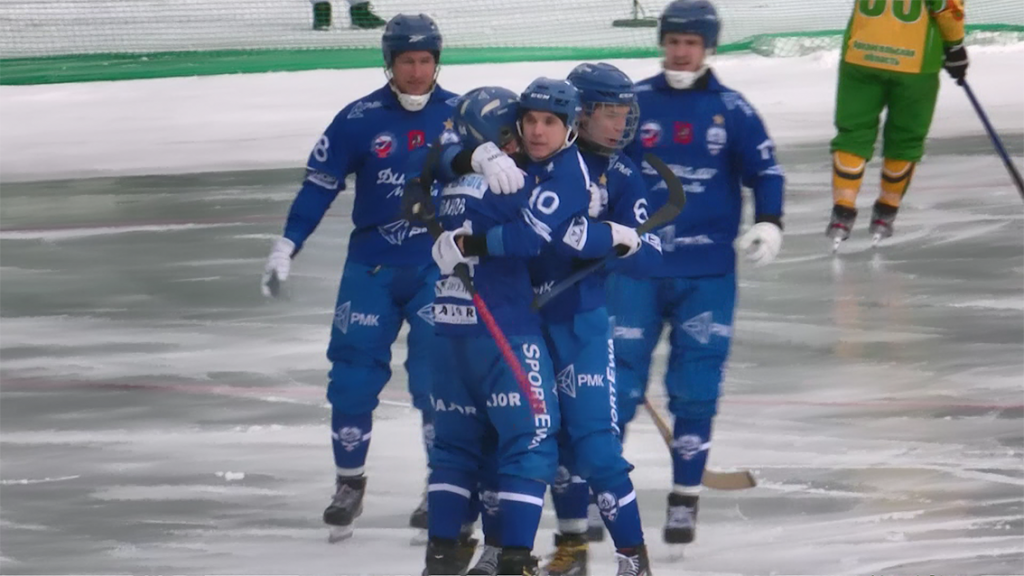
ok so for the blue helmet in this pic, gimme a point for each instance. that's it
(558, 97)
(691, 17)
(603, 83)
(487, 114)
(405, 33)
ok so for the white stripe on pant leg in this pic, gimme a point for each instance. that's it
(524, 498)
(627, 498)
(349, 471)
(449, 488)
(577, 480)
(572, 526)
(686, 490)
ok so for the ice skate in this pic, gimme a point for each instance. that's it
(363, 17)
(882, 218)
(487, 564)
(839, 225)
(346, 506)
(681, 519)
(633, 562)
(570, 557)
(445, 557)
(517, 562)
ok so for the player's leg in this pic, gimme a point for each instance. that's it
(637, 326)
(490, 517)
(365, 325)
(414, 290)
(528, 454)
(457, 456)
(860, 98)
(702, 313)
(571, 496)
(321, 14)
(587, 397)
(911, 108)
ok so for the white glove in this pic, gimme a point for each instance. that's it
(279, 263)
(762, 243)
(446, 252)
(598, 200)
(500, 171)
(626, 237)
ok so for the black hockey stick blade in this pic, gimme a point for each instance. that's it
(676, 196)
(667, 213)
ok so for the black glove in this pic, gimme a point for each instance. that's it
(956, 61)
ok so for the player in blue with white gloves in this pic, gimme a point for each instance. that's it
(388, 276)
(579, 336)
(715, 142)
(556, 202)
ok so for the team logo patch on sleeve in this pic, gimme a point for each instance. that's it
(383, 144)
(576, 235)
(322, 179)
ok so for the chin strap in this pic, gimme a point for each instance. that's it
(408, 101)
(682, 80)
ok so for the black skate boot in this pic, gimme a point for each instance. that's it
(840, 225)
(517, 562)
(681, 520)
(595, 525)
(633, 562)
(321, 16)
(570, 557)
(346, 506)
(882, 217)
(445, 557)
(487, 564)
(363, 17)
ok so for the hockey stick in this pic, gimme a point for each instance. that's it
(715, 480)
(664, 215)
(1014, 173)
(422, 208)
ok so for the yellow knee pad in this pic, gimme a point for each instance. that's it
(847, 175)
(896, 176)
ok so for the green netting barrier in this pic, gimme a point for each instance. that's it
(49, 41)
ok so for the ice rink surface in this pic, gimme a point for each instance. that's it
(157, 415)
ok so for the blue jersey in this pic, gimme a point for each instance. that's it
(373, 138)
(620, 182)
(715, 143)
(557, 215)
(550, 211)
(502, 282)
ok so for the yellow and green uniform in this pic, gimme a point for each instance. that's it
(893, 51)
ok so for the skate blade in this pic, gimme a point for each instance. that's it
(339, 533)
(876, 239)
(419, 538)
(835, 244)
